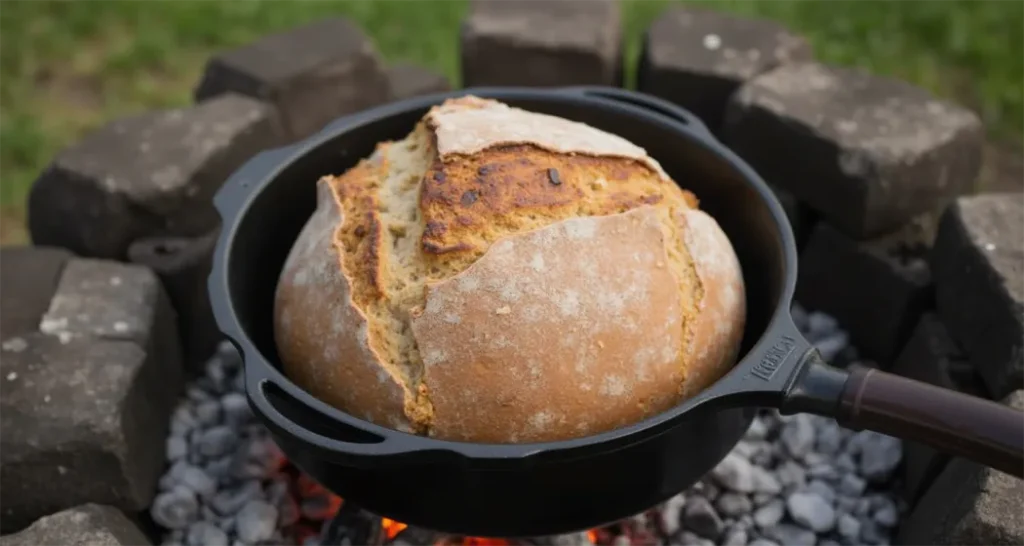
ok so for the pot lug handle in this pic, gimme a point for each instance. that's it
(645, 101)
(960, 424)
(339, 439)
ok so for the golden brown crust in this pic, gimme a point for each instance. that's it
(514, 185)
(538, 340)
(503, 287)
(322, 338)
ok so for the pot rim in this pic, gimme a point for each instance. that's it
(233, 202)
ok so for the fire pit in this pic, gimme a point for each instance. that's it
(792, 480)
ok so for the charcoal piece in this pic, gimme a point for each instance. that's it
(876, 289)
(28, 279)
(145, 175)
(969, 504)
(310, 74)
(697, 58)
(407, 80)
(869, 153)
(978, 265)
(83, 420)
(85, 525)
(542, 43)
(183, 265)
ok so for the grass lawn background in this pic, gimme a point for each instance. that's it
(66, 67)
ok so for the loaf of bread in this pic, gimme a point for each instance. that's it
(503, 276)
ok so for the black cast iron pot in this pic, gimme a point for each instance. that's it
(558, 487)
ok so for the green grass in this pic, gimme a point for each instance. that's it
(66, 67)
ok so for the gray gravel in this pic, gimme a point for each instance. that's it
(214, 491)
(797, 479)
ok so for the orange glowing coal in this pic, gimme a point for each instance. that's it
(392, 527)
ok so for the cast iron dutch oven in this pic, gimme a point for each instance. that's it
(556, 487)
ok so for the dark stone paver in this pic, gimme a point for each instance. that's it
(877, 289)
(697, 58)
(28, 279)
(183, 265)
(146, 175)
(310, 74)
(542, 43)
(978, 265)
(85, 525)
(408, 80)
(869, 153)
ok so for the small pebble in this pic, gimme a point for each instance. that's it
(852, 485)
(175, 509)
(689, 539)
(822, 489)
(798, 436)
(871, 532)
(791, 535)
(770, 514)
(198, 481)
(757, 431)
(735, 473)
(177, 448)
(829, 439)
(811, 511)
(848, 528)
(208, 413)
(217, 441)
(791, 475)
(762, 542)
(886, 515)
(204, 533)
(700, 517)
(229, 501)
(879, 455)
(736, 537)
(236, 408)
(671, 514)
(733, 504)
(256, 521)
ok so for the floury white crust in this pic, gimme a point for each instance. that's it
(505, 276)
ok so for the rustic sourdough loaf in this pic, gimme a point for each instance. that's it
(506, 276)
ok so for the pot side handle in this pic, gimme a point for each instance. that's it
(963, 425)
(645, 101)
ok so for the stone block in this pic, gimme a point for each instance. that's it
(406, 80)
(28, 279)
(86, 525)
(311, 74)
(146, 175)
(969, 504)
(542, 43)
(876, 289)
(978, 266)
(869, 153)
(183, 265)
(933, 357)
(698, 58)
(83, 420)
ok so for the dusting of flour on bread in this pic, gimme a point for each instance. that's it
(502, 276)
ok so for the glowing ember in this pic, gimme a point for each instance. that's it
(320, 510)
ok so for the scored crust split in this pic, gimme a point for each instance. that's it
(506, 276)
